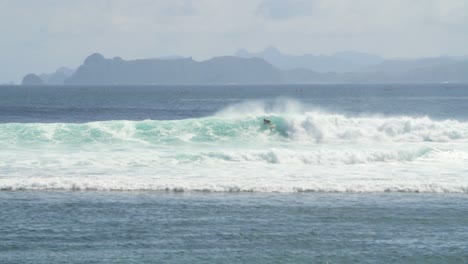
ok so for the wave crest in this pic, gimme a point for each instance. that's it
(308, 127)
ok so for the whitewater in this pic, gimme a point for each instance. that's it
(351, 173)
(311, 149)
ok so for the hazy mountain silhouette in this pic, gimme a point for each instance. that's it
(347, 61)
(405, 65)
(58, 77)
(31, 79)
(221, 70)
(98, 70)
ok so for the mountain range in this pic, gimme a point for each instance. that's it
(267, 67)
(346, 61)
(220, 70)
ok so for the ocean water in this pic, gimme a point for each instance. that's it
(177, 174)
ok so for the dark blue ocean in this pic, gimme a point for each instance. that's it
(191, 174)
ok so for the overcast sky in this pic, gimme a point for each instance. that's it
(40, 35)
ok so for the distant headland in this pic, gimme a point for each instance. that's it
(267, 67)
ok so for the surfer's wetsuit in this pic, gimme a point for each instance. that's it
(268, 123)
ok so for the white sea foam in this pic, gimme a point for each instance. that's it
(309, 150)
(132, 184)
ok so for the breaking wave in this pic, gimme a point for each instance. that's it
(308, 150)
(245, 125)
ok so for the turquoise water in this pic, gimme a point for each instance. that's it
(153, 174)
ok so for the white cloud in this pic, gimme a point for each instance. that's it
(281, 9)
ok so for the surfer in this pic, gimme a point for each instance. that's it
(268, 123)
